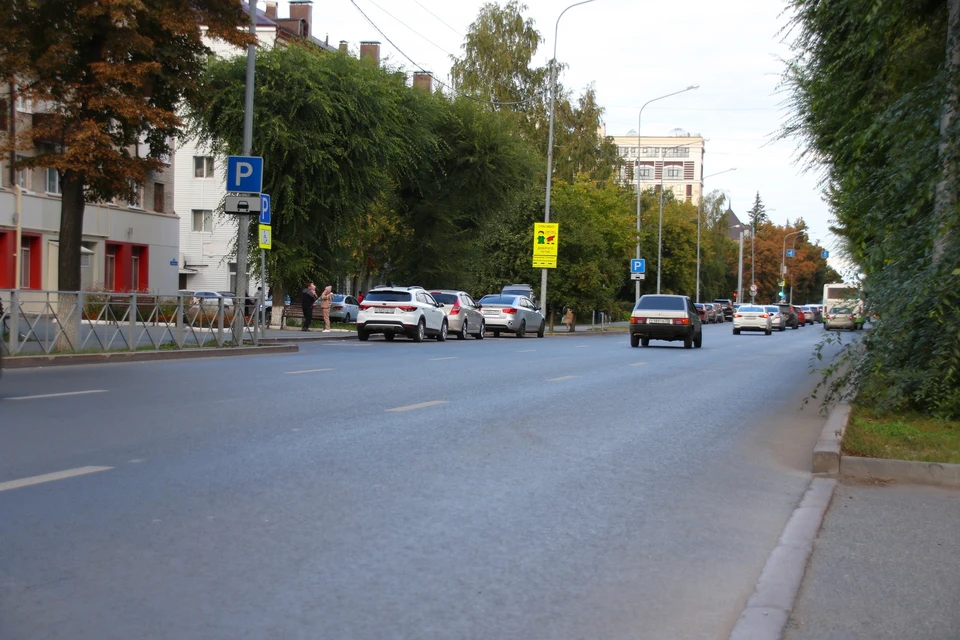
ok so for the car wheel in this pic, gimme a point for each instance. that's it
(483, 328)
(688, 342)
(736, 331)
(644, 342)
(796, 325)
(542, 329)
(442, 336)
(389, 336)
(346, 319)
(522, 331)
(783, 328)
(363, 335)
(419, 332)
(698, 340)
(634, 341)
(463, 331)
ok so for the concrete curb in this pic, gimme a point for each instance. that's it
(944, 475)
(826, 453)
(307, 338)
(768, 609)
(28, 362)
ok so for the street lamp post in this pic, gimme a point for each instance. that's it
(700, 218)
(783, 254)
(637, 175)
(660, 232)
(553, 100)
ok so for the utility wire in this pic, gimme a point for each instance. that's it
(438, 18)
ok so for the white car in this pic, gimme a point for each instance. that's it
(408, 311)
(778, 320)
(752, 317)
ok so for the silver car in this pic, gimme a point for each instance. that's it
(513, 314)
(464, 317)
(778, 320)
(343, 308)
(840, 317)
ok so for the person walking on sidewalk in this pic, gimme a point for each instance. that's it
(326, 299)
(308, 298)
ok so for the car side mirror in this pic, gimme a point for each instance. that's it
(479, 306)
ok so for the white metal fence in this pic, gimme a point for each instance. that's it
(45, 322)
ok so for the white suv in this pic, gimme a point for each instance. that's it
(401, 310)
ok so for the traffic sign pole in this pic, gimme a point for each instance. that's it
(265, 217)
(243, 224)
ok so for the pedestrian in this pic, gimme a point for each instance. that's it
(568, 319)
(360, 297)
(308, 298)
(326, 299)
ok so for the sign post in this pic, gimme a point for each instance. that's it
(265, 214)
(244, 183)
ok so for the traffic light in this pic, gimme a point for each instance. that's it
(734, 295)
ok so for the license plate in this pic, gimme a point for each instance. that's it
(659, 320)
(383, 310)
(491, 312)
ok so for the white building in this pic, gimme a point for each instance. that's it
(673, 163)
(207, 240)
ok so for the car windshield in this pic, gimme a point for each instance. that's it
(773, 309)
(699, 306)
(841, 310)
(666, 303)
(498, 299)
(445, 298)
(750, 309)
(387, 296)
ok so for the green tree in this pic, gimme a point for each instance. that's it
(113, 75)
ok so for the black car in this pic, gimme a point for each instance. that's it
(790, 313)
(665, 317)
(727, 306)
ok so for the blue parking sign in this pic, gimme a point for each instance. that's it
(638, 265)
(824, 254)
(791, 253)
(265, 208)
(244, 174)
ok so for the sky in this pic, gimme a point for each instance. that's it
(633, 51)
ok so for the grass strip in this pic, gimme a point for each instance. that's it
(902, 437)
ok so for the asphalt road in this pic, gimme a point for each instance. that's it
(567, 487)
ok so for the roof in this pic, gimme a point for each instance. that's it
(262, 19)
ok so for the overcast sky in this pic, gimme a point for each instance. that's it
(633, 51)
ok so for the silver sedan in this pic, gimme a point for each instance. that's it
(463, 314)
(513, 314)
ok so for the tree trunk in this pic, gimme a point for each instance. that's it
(276, 312)
(946, 197)
(72, 205)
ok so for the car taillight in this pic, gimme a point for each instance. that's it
(337, 306)
(681, 321)
(509, 310)
(764, 315)
(407, 307)
(737, 315)
(364, 307)
(637, 320)
(456, 308)
(853, 317)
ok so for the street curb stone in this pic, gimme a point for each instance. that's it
(826, 453)
(28, 362)
(768, 609)
(946, 475)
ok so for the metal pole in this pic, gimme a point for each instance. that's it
(740, 271)
(243, 222)
(783, 257)
(699, 218)
(18, 249)
(660, 233)
(553, 100)
(753, 260)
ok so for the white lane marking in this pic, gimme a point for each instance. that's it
(580, 346)
(447, 358)
(57, 395)
(526, 350)
(421, 405)
(636, 364)
(561, 378)
(293, 373)
(50, 477)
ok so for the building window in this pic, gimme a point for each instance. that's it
(110, 270)
(233, 276)
(673, 173)
(202, 166)
(53, 181)
(203, 220)
(25, 266)
(136, 200)
(30, 262)
(135, 269)
(158, 197)
(650, 152)
(23, 175)
(646, 172)
(676, 152)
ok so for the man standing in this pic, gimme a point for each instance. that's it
(308, 297)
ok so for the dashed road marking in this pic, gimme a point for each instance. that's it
(446, 358)
(420, 405)
(57, 395)
(526, 350)
(636, 364)
(50, 477)
(561, 378)
(293, 373)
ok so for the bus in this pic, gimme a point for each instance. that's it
(846, 295)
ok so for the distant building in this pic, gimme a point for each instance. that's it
(673, 163)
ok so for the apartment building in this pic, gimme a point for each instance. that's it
(127, 245)
(207, 239)
(673, 163)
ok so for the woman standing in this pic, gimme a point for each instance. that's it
(326, 299)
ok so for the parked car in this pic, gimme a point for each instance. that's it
(512, 313)
(268, 305)
(777, 319)
(790, 315)
(719, 309)
(810, 313)
(212, 298)
(463, 314)
(518, 290)
(727, 305)
(344, 308)
(713, 312)
(752, 317)
(665, 317)
(801, 316)
(841, 317)
(408, 311)
(701, 310)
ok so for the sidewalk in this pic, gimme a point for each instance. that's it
(273, 336)
(885, 565)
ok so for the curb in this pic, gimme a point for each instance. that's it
(826, 453)
(291, 339)
(28, 362)
(768, 609)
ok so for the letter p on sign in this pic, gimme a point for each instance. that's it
(244, 174)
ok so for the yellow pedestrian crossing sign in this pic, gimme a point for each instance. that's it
(546, 238)
(265, 236)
